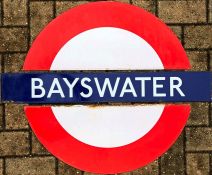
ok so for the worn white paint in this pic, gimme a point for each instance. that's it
(108, 126)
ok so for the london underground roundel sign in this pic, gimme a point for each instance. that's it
(107, 138)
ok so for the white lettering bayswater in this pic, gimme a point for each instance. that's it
(127, 88)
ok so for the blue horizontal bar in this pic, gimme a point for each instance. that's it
(56, 88)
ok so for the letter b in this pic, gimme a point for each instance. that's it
(37, 87)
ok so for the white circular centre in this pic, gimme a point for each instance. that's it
(107, 48)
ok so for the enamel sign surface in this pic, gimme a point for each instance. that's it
(107, 138)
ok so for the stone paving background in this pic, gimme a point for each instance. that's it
(22, 154)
